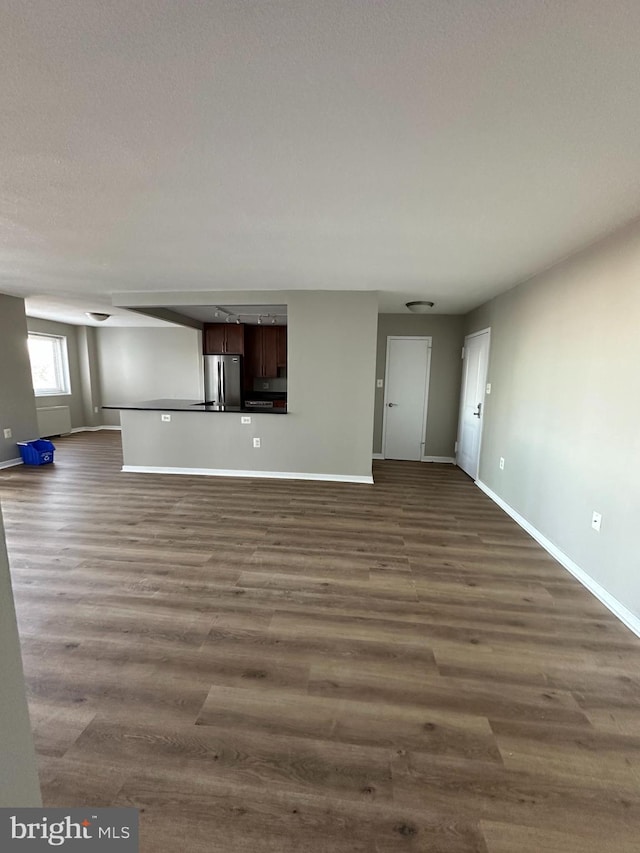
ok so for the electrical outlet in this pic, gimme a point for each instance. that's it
(379, 383)
(8, 433)
(245, 419)
(165, 418)
(596, 521)
(256, 442)
(502, 463)
(265, 386)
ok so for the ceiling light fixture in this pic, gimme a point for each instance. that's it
(218, 312)
(420, 306)
(97, 315)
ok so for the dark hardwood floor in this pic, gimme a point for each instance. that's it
(263, 665)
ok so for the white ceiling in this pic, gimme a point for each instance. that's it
(436, 150)
(74, 310)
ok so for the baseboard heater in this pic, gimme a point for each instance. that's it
(54, 420)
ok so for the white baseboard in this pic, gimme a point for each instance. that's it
(11, 462)
(616, 607)
(224, 472)
(95, 428)
(448, 459)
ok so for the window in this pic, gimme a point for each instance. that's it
(49, 364)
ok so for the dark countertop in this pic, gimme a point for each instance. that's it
(192, 406)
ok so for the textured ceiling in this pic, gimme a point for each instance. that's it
(442, 150)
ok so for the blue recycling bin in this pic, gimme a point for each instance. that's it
(38, 452)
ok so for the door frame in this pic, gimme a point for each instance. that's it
(425, 407)
(487, 332)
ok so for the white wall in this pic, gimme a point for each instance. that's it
(19, 784)
(89, 375)
(17, 402)
(145, 363)
(564, 410)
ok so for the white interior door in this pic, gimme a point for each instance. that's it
(405, 398)
(474, 378)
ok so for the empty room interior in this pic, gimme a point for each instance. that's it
(319, 407)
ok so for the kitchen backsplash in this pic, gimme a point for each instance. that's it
(274, 384)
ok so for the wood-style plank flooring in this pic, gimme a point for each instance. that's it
(296, 666)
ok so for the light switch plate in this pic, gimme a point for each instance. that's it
(166, 418)
(8, 433)
(488, 387)
(379, 383)
(245, 419)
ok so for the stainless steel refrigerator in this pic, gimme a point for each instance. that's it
(223, 379)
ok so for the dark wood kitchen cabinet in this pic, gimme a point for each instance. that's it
(269, 350)
(266, 349)
(281, 346)
(223, 339)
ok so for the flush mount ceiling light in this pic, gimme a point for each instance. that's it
(97, 315)
(420, 307)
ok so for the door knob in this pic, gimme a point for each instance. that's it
(391, 405)
(477, 414)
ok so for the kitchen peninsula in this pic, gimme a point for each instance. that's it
(329, 381)
(193, 406)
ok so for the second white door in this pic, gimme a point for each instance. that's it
(405, 398)
(474, 378)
